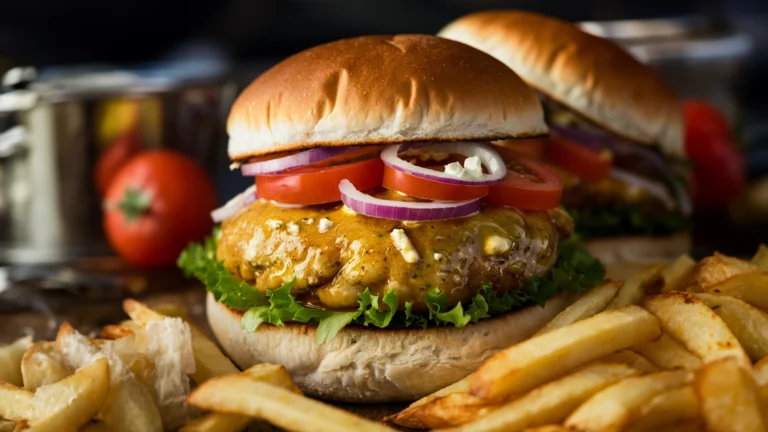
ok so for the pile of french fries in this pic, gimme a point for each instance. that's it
(40, 392)
(676, 347)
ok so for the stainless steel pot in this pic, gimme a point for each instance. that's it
(51, 138)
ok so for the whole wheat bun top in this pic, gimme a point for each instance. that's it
(588, 74)
(380, 89)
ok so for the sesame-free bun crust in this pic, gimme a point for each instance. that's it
(588, 74)
(375, 365)
(381, 89)
(625, 256)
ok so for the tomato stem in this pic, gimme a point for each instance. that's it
(134, 204)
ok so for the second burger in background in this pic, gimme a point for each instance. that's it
(616, 132)
(384, 236)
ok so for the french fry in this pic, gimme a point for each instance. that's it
(115, 331)
(549, 428)
(15, 403)
(750, 287)
(729, 397)
(748, 324)
(611, 408)
(10, 360)
(666, 353)
(70, 403)
(95, 427)
(631, 359)
(761, 257)
(552, 402)
(280, 407)
(696, 326)
(670, 408)
(693, 426)
(130, 407)
(7, 426)
(716, 269)
(273, 374)
(41, 365)
(674, 276)
(460, 386)
(633, 290)
(760, 371)
(535, 361)
(452, 410)
(209, 360)
(589, 304)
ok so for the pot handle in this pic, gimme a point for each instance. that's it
(12, 141)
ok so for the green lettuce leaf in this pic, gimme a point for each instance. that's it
(575, 271)
(626, 219)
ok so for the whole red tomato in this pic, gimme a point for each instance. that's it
(157, 203)
(117, 154)
(719, 174)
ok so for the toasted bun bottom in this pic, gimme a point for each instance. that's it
(624, 256)
(376, 365)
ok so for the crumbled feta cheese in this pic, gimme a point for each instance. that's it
(234, 165)
(274, 223)
(293, 228)
(495, 245)
(308, 221)
(438, 257)
(324, 225)
(404, 245)
(473, 166)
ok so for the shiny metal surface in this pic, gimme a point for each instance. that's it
(49, 208)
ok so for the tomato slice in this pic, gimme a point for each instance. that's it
(529, 185)
(312, 185)
(428, 189)
(577, 159)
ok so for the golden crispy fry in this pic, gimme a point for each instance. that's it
(552, 402)
(670, 408)
(72, 402)
(716, 269)
(115, 331)
(16, 404)
(452, 410)
(549, 428)
(633, 290)
(693, 426)
(95, 427)
(7, 426)
(696, 326)
(461, 386)
(42, 365)
(209, 360)
(748, 324)
(760, 371)
(10, 360)
(761, 257)
(611, 408)
(535, 361)
(242, 395)
(667, 353)
(750, 287)
(674, 276)
(729, 397)
(631, 359)
(589, 304)
(273, 374)
(130, 407)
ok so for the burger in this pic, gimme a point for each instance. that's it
(616, 132)
(386, 249)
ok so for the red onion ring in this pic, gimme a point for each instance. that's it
(487, 155)
(654, 189)
(298, 160)
(403, 211)
(239, 202)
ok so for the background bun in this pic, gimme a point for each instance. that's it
(586, 73)
(625, 256)
(379, 89)
(373, 365)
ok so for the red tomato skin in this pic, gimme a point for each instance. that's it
(117, 154)
(523, 194)
(579, 160)
(182, 197)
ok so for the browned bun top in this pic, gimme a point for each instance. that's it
(379, 89)
(588, 74)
